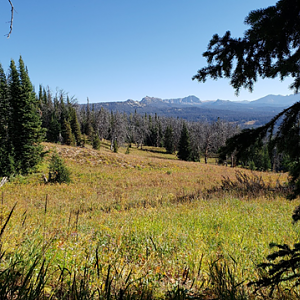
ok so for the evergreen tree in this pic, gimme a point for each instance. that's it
(127, 149)
(266, 161)
(75, 126)
(184, 145)
(68, 136)
(64, 113)
(262, 159)
(32, 133)
(115, 146)
(96, 142)
(169, 140)
(25, 128)
(47, 112)
(13, 123)
(58, 172)
(6, 149)
(160, 135)
(256, 156)
(88, 128)
(53, 129)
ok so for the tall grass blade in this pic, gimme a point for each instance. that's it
(7, 220)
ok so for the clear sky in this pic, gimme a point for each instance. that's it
(115, 50)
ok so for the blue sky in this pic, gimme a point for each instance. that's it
(116, 50)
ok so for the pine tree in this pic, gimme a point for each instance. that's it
(262, 159)
(47, 111)
(75, 126)
(53, 129)
(169, 140)
(64, 113)
(88, 130)
(115, 146)
(96, 142)
(13, 123)
(6, 149)
(184, 146)
(58, 171)
(25, 128)
(68, 136)
(160, 135)
(29, 149)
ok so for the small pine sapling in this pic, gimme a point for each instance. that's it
(127, 150)
(58, 171)
(96, 142)
(115, 146)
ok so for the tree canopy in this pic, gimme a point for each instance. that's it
(270, 48)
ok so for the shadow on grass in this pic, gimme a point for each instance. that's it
(243, 187)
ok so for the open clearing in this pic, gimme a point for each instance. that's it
(146, 218)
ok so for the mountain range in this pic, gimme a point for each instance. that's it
(245, 113)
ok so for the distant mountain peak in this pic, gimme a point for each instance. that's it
(186, 100)
(277, 100)
(150, 100)
(132, 102)
(191, 99)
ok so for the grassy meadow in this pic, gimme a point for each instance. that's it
(142, 225)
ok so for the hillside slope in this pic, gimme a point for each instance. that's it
(142, 220)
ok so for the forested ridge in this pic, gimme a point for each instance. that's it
(229, 111)
(68, 123)
(28, 118)
(72, 124)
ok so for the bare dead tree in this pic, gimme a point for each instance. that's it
(3, 181)
(11, 18)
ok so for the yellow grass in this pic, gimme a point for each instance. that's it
(129, 207)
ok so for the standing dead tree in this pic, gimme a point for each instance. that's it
(11, 18)
(3, 181)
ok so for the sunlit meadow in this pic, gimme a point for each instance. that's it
(142, 222)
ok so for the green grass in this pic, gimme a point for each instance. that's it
(127, 224)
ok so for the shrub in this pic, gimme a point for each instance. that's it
(58, 172)
(96, 142)
(252, 165)
(115, 146)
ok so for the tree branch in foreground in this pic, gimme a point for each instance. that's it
(11, 19)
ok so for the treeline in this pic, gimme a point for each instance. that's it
(71, 124)
(27, 119)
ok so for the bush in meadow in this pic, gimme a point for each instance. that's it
(58, 171)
